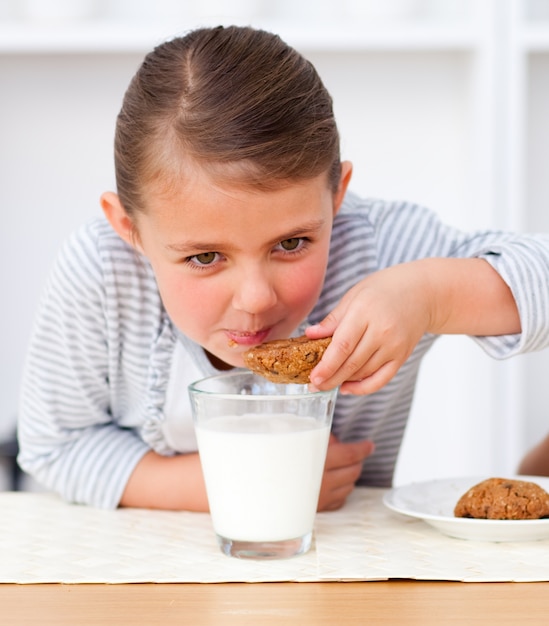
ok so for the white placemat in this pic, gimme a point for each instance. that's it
(44, 540)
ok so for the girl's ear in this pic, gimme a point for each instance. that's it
(346, 174)
(118, 218)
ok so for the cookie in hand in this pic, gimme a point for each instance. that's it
(286, 360)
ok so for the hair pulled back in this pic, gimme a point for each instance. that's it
(236, 101)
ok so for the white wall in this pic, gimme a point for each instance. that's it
(536, 393)
(56, 124)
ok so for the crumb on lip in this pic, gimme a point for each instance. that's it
(232, 343)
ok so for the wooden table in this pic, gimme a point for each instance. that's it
(281, 604)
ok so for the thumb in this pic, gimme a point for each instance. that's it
(325, 328)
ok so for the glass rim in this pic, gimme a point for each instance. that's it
(194, 387)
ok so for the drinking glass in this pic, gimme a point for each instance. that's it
(263, 448)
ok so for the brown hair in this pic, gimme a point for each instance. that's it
(237, 101)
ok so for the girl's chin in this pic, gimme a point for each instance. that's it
(225, 362)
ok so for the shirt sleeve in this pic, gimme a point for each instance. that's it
(68, 439)
(406, 232)
(523, 263)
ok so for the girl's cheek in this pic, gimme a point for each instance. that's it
(307, 287)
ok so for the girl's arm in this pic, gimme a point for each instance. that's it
(536, 461)
(167, 482)
(82, 399)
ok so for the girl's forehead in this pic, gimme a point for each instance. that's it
(182, 175)
(201, 205)
(197, 186)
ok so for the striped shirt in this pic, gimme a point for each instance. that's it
(98, 368)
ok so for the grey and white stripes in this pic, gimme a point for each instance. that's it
(98, 366)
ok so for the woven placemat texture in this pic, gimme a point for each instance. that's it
(45, 540)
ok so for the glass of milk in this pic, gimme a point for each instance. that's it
(262, 447)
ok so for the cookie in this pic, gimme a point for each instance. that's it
(286, 360)
(504, 499)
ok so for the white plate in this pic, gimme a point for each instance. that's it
(434, 502)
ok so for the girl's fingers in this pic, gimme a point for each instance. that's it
(371, 383)
(342, 359)
(341, 455)
(342, 470)
(335, 499)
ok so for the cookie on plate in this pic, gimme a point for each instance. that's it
(286, 360)
(504, 499)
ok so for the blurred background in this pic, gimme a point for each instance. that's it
(442, 102)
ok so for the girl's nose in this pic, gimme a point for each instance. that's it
(254, 293)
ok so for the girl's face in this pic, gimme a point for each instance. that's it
(236, 266)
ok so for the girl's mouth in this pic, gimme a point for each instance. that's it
(245, 338)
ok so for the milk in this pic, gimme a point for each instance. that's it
(262, 474)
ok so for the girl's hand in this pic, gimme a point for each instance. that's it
(380, 320)
(342, 470)
(536, 461)
(375, 327)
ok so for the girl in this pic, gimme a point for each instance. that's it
(232, 224)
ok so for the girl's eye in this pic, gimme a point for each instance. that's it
(204, 258)
(291, 244)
